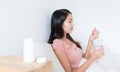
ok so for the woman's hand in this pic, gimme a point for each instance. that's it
(94, 35)
(97, 53)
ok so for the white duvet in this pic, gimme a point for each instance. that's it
(110, 62)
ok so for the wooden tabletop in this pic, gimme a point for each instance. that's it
(16, 64)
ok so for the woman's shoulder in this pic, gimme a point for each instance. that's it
(57, 44)
(57, 40)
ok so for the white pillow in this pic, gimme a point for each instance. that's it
(43, 49)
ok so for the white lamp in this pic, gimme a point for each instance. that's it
(28, 50)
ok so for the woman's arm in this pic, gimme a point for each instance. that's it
(94, 56)
(88, 50)
(84, 66)
(93, 35)
(63, 60)
(66, 65)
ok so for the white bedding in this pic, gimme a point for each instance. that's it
(108, 63)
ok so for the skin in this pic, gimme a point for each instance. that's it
(91, 57)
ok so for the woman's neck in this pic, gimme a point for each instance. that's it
(64, 37)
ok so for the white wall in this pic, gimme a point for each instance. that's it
(20, 19)
(102, 14)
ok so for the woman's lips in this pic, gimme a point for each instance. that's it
(71, 28)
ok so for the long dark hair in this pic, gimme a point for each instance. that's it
(57, 20)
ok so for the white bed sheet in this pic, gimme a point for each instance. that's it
(110, 62)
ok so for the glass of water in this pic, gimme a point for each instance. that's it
(97, 43)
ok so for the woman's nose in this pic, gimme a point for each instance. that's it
(72, 24)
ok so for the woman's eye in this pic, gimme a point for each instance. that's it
(70, 21)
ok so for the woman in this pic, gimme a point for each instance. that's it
(66, 49)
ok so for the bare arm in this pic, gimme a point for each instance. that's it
(63, 60)
(84, 67)
(88, 50)
(94, 56)
(66, 65)
(93, 35)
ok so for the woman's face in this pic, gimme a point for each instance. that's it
(68, 24)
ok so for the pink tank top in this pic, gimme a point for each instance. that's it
(73, 53)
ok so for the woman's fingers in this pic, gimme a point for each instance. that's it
(100, 52)
(94, 34)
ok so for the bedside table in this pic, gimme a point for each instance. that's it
(16, 64)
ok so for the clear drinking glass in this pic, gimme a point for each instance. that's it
(97, 43)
